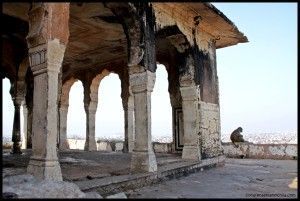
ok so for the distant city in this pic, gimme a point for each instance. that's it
(258, 138)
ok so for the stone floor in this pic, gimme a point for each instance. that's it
(239, 178)
(79, 165)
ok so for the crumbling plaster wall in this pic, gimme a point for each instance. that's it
(210, 130)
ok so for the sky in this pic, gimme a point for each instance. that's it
(257, 81)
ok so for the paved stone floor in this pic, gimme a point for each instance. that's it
(81, 165)
(239, 178)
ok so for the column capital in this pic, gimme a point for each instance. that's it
(190, 93)
(143, 81)
(18, 100)
(91, 106)
(46, 57)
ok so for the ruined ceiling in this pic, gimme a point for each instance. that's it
(97, 38)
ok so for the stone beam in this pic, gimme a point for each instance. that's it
(47, 45)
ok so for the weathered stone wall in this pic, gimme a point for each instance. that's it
(245, 150)
(210, 139)
(264, 151)
(101, 145)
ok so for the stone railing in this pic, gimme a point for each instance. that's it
(261, 151)
(106, 145)
(245, 150)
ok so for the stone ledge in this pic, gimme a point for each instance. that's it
(116, 184)
(261, 151)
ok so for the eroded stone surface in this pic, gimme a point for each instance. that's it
(210, 130)
(238, 178)
(271, 151)
(26, 186)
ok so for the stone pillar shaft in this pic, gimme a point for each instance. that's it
(29, 127)
(47, 44)
(63, 114)
(25, 138)
(16, 135)
(143, 157)
(90, 142)
(190, 99)
(129, 125)
(44, 162)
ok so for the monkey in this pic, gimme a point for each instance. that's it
(236, 136)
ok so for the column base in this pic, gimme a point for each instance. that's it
(130, 146)
(125, 148)
(143, 161)
(45, 169)
(64, 145)
(191, 152)
(90, 145)
(16, 149)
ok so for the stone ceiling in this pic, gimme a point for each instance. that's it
(97, 40)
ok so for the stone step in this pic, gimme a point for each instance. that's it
(115, 184)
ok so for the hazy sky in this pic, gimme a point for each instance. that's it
(257, 80)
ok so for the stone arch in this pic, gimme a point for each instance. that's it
(94, 87)
(110, 103)
(161, 107)
(8, 109)
(65, 90)
(170, 47)
(23, 68)
(63, 107)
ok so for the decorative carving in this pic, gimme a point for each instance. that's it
(38, 57)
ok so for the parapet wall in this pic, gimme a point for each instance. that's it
(245, 150)
(261, 151)
(117, 145)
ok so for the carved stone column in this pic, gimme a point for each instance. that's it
(90, 100)
(29, 127)
(25, 115)
(143, 157)
(190, 99)
(16, 135)
(47, 46)
(63, 141)
(138, 21)
(128, 107)
(190, 94)
(90, 142)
